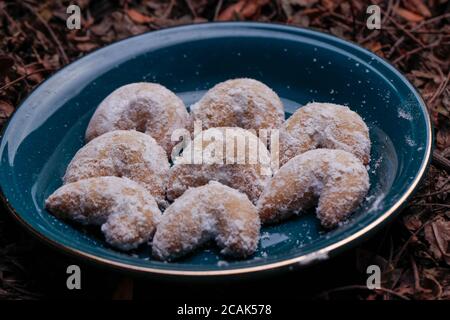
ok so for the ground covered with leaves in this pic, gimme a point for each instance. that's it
(413, 251)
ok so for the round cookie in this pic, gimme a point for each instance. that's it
(232, 156)
(145, 107)
(244, 103)
(126, 211)
(123, 153)
(211, 212)
(324, 125)
(335, 177)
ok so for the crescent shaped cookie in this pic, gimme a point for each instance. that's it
(324, 125)
(232, 156)
(244, 103)
(126, 211)
(123, 153)
(145, 107)
(211, 212)
(335, 177)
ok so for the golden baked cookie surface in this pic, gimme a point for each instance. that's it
(244, 103)
(324, 125)
(123, 153)
(232, 156)
(210, 212)
(335, 177)
(127, 213)
(145, 107)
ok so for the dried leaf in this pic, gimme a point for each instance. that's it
(138, 17)
(412, 222)
(230, 12)
(427, 75)
(6, 109)
(102, 28)
(243, 8)
(443, 137)
(32, 72)
(442, 277)
(437, 234)
(421, 7)
(86, 46)
(406, 284)
(429, 289)
(300, 19)
(330, 4)
(375, 46)
(408, 15)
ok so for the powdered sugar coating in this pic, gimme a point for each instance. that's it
(211, 212)
(123, 153)
(336, 177)
(324, 125)
(145, 107)
(126, 211)
(244, 103)
(246, 169)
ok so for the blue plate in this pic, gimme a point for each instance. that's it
(300, 65)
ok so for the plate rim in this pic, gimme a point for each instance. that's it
(299, 261)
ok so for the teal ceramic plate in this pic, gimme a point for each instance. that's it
(300, 65)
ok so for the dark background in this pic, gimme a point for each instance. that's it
(413, 251)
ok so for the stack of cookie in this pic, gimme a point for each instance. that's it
(122, 179)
